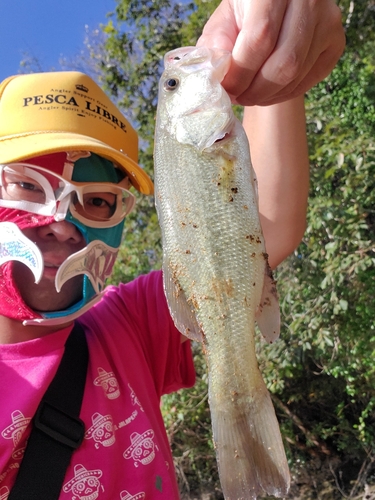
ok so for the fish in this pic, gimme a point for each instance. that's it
(216, 276)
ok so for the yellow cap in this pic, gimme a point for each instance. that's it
(44, 113)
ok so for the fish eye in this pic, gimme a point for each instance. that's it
(171, 84)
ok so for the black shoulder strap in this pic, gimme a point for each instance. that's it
(57, 429)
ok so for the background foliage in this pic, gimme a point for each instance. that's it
(321, 372)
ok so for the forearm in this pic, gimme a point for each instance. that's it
(278, 145)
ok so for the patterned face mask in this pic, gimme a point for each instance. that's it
(87, 191)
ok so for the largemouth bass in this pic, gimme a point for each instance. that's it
(216, 276)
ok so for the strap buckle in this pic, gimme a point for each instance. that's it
(59, 425)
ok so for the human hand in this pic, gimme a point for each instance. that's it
(280, 48)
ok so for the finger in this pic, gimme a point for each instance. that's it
(259, 24)
(317, 73)
(318, 65)
(298, 62)
(221, 29)
(263, 90)
(290, 60)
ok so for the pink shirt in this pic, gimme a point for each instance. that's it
(135, 356)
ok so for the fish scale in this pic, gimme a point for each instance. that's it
(216, 274)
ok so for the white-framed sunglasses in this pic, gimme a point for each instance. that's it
(35, 189)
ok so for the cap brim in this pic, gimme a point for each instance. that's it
(20, 147)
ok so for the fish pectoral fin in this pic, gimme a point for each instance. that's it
(268, 312)
(249, 448)
(181, 311)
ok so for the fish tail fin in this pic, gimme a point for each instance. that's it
(249, 448)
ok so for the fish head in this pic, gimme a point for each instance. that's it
(192, 105)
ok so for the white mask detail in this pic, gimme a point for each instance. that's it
(96, 261)
(15, 245)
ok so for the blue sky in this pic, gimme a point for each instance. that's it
(46, 30)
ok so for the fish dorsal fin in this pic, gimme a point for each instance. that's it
(268, 312)
(182, 313)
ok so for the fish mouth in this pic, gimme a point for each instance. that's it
(215, 142)
(225, 137)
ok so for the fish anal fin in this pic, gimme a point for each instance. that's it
(249, 448)
(181, 311)
(268, 312)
